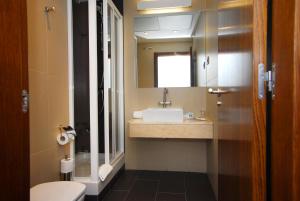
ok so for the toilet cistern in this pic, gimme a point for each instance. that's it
(165, 103)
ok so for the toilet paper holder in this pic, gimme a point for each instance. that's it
(68, 130)
(66, 135)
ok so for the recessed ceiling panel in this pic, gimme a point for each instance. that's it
(175, 22)
(146, 24)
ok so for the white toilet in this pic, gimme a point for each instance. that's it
(58, 191)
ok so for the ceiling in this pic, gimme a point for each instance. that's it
(166, 26)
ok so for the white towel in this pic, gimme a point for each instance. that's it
(104, 171)
(138, 114)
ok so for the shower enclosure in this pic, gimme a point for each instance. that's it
(95, 43)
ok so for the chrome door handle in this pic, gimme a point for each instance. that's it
(218, 91)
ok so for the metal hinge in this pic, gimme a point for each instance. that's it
(269, 78)
(25, 101)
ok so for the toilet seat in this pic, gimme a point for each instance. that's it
(58, 191)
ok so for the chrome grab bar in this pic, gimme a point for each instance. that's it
(218, 91)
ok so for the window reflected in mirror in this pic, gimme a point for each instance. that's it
(172, 69)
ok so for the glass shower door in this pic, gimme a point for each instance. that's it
(114, 73)
(96, 98)
(82, 146)
(111, 79)
(119, 111)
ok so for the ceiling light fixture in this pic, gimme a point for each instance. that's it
(163, 4)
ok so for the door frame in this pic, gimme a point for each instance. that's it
(286, 184)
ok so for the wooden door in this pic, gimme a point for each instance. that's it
(14, 134)
(285, 113)
(241, 115)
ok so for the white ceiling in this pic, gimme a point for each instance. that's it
(164, 26)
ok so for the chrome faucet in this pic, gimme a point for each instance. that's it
(165, 103)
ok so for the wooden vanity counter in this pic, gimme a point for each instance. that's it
(188, 129)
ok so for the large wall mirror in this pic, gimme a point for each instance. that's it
(170, 50)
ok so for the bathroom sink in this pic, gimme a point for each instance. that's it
(167, 115)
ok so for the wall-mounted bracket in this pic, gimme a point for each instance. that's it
(49, 9)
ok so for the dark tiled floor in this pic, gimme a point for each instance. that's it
(160, 186)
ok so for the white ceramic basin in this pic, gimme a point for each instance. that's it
(167, 115)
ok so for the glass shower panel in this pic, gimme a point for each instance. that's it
(111, 79)
(81, 89)
(101, 123)
(118, 77)
(115, 80)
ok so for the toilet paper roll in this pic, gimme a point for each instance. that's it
(66, 165)
(63, 139)
(71, 136)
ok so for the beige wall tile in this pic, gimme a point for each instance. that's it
(48, 80)
(177, 155)
(45, 165)
(39, 138)
(152, 155)
(197, 162)
(57, 52)
(37, 35)
(58, 108)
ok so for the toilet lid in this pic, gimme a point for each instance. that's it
(57, 191)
